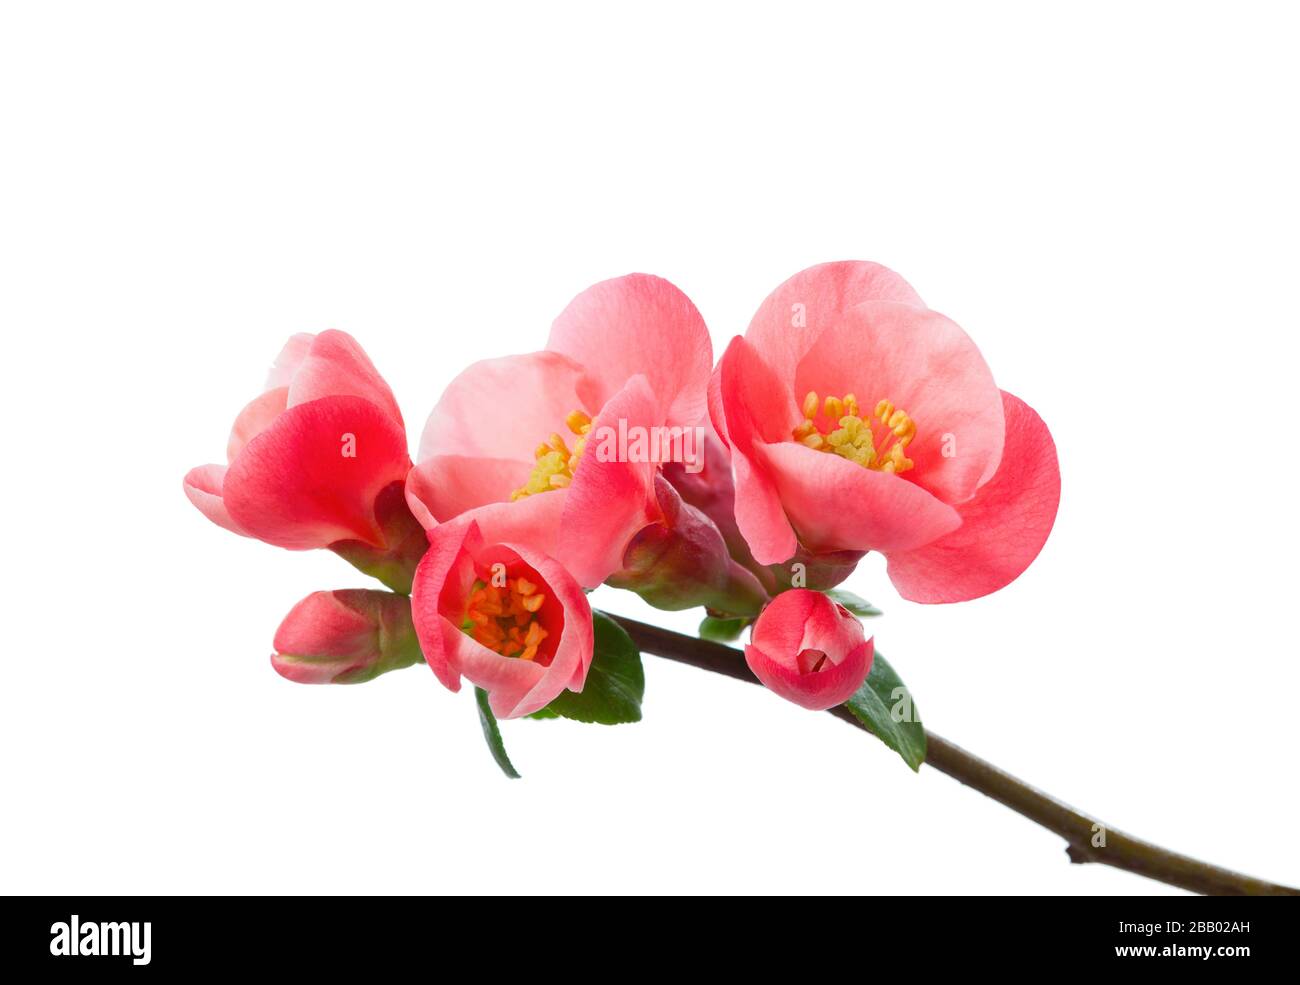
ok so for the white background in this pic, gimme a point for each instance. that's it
(1104, 196)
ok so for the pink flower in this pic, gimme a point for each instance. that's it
(859, 420)
(809, 650)
(345, 637)
(508, 617)
(528, 435)
(309, 458)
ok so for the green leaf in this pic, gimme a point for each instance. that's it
(722, 630)
(884, 705)
(854, 603)
(615, 682)
(493, 734)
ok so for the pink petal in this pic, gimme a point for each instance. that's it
(508, 681)
(336, 366)
(780, 628)
(203, 487)
(927, 366)
(638, 324)
(1003, 527)
(837, 505)
(608, 502)
(438, 596)
(256, 418)
(293, 485)
(504, 408)
(744, 394)
(444, 486)
(290, 358)
(533, 522)
(818, 691)
(824, 292)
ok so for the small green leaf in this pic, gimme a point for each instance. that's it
(722, 630)
(884, 705)
(615, 681)
(854, 603)
(493, 734)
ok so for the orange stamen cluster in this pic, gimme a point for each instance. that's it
(555, 462)
(853, 435)
(505, 619)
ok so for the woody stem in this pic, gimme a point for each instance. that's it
(1087, 840)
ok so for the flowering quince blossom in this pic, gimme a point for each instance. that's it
(509, 618)
(515, 435)
(809, 650)
(318, 460)
(858, 419)
(345, 637)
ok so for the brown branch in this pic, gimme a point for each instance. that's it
(1079, 830)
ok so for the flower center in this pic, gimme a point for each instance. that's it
(876, 441)
(555, 462)
(505, 619)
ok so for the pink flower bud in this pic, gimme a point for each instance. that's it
(345, 637)
(809, 650)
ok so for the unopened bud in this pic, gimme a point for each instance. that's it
(345, 637)
(809, 650)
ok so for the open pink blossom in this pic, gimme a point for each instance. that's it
(859, 420)
(809, 650)
(507, 617)
(309, 458)
(528, 434)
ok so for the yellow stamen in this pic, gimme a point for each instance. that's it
(505, 620)
(555, 462)
(856, 438)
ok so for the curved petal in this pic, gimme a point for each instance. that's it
(256, 418)
(445, 486)
(780, 627)
(926, 365)
(638, 324)
(836, 505)
(438, 594)
(335, 365)
(611, 497)
(792, 317)
(532, 523)
(508, 681)
(312, 477)
(1003, 527)
(288, 361)
(203, 486)
(504, 408)
(743, 388)
(817, 691)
